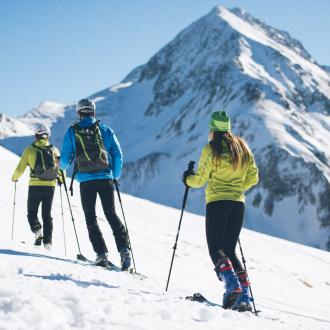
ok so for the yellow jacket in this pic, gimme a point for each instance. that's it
(29, 159)
(223, 181)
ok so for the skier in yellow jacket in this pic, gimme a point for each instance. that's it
(42, 158)
(228, 168)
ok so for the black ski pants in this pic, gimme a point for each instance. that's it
(45, 196)
(224, 220)
(88, 193)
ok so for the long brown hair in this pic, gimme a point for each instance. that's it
(238, 148)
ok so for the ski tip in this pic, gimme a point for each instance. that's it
(81, 257)
(196, 297)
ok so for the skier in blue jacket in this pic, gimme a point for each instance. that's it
(98, 161)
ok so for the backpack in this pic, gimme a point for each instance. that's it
(45, 167)
(91, 155)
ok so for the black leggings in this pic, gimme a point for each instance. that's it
(88, 193)
(224, 220)
(43, 195)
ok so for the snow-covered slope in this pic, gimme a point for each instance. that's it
(278, 99)
(42, 290)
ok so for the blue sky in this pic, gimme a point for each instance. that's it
(64, 50)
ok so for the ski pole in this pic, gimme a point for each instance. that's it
(14, 207)
(63, 220)
(79, 256)
(250, 289)
(122, 210)
(190, 167)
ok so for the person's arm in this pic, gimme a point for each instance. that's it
(56, 156)
(116, 156)
(57, 163)
(252, 176)
(23, 163)
(200, 178)
(67, 152)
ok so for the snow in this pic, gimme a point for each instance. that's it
(12, 126)
(258, 34)
(46, 114)
(117, 87)
(255, 70)
(48, 290)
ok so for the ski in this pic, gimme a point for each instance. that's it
(198, 297)
(110, 266)
(114, 268)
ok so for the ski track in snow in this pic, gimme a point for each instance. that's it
(48, 290)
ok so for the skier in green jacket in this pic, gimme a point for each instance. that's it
(228, 168)
(43, 159)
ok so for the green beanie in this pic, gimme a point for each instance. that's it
(220, 121)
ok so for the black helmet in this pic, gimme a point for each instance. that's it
(86, 107)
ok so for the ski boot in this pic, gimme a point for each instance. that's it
(38, 237)
(125, 258)
(48, 246)
(243, 304)
(101, 260)
(225, 272)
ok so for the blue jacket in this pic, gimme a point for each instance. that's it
(111, 144)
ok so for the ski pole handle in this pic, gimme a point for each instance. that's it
(191, 165)
(191, 169)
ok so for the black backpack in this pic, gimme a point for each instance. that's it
(45, 167)
(91, 155)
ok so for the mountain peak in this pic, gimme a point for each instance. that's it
(257, 30)
(46, 109)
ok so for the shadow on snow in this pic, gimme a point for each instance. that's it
(60, 277)
(56, 277)
(35, 255)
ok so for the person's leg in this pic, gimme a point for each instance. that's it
(106, 193)
(33, 203)
(47, 195)
(243, 303)
(216, 231)
(234, 228)
(215, 225)
(235, 223)
(88, 193)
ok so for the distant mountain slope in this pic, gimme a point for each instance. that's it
(277, 97)
(46, 114)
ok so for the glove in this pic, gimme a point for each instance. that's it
(185, 174)
(59, 179)
(14, 179)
